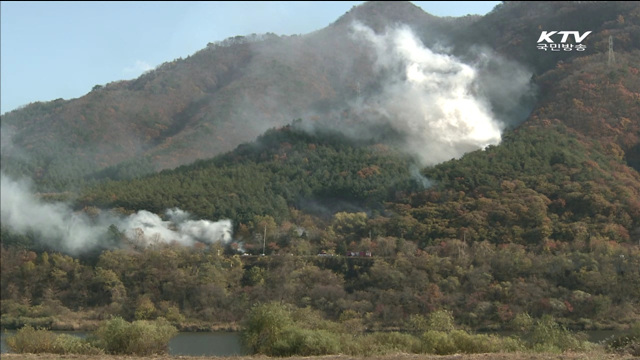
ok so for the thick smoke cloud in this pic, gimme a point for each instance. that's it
(149, 228)
(433, 105)
(75, 232)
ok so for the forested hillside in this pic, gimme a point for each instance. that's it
(544, 221)
(543, 183)
(284, 168)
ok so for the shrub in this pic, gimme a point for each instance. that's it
(522, 323)
(35, 341)
(473, 344)
(69, 344)
(546, 335)
(275, 329)
(141, 337)
(480, 343)
(145, 309)
(443, 338)
(319, 342)
(441, 320)
(381, 343)
(351, 322)
(269, 329)
(30, 340)
(312, 319)
(626, 344)
(112, 335)
(460, 341)
(417, 324)
(174, 316)
(264, 325)
(438, 342)
(304, 342)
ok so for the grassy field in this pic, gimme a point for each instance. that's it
(505, 356)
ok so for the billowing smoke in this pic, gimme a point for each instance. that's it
(75, 232)
(433, 105)
(147, 227)
(23, 213)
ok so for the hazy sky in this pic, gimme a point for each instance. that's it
(53, 50)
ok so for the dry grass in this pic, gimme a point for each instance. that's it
(505, 356)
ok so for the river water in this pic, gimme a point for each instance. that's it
(191, 344)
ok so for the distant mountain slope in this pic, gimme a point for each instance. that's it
(186, 109)
(232, 91)
(225, 94)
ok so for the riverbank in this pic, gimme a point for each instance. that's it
(595, 355)
(89, 325)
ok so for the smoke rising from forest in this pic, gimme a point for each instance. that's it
(427, 102)
(75, 232)
(150, 228)
(435, 106)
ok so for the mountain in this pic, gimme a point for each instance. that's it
(370, 76)
(488, 177)
(232, 91)
(206, 104)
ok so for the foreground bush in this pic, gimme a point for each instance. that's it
(380, 343)
(36, 341)
(264, 325)
(115, 336)
(278, 330)
(546, 335)
(141, 337)
(434, 334)
(460, 341)
(270, 329)
(275, 329)
(626, 344)
(305, 342)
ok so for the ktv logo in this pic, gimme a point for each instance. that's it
(545, 41)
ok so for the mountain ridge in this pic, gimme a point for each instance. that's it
(232, 91)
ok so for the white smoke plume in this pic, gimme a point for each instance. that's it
(147, 227)
(419, 178)
(438, 106)
(75, 232)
